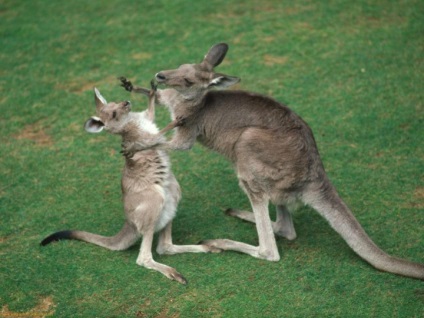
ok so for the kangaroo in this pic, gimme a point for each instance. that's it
(150, 191)
(274, 153)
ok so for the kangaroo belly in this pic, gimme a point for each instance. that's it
(151, 207)
(276, 164)
(168, 211)
(223, 143)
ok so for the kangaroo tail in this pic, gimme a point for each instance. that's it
(328, 203)
(121, 241)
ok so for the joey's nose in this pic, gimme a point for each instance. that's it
(160, 77)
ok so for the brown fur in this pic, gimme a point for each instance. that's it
(274, 154)
(149, 189)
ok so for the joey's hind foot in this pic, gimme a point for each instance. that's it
(174, 275)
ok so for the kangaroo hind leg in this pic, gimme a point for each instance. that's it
(267, 248)
(166, 246)
(283, 225)
(145, 259)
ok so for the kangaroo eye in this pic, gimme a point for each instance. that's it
(113, 115)
(188, 82)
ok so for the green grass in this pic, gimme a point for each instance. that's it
(352, 69)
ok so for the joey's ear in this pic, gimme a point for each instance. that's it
(222, 81)
(99, 99)
(216, 55)
(94, 125)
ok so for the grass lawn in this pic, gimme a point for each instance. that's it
(354, 70)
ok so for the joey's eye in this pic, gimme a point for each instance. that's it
(113, 115)
(188, 82)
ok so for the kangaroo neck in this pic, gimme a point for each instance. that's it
(180, 104)
(131, 131)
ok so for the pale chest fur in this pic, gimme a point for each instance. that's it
(148, 171)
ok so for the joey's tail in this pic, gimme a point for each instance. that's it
(121, 241)
(328, 203)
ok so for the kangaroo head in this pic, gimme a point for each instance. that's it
(109, 116)
(191, 79)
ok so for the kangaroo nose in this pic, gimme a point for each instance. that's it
(160, 77)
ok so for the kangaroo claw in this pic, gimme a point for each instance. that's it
(180, 121)
(126, 151)
(154, 85)
(126, 84)
(178, 277)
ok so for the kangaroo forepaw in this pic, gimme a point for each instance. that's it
(153, 88)
(180, 121)
(126, 84)
(128, 150)
(154, 85)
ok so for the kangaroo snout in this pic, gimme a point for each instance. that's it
(160, 77)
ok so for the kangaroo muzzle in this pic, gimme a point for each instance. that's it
(160, 77)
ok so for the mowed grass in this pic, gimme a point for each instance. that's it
(352, 70)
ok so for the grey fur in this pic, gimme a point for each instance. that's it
(149, 189)
(275, 157)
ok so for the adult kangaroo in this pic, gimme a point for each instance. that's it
(274, 154)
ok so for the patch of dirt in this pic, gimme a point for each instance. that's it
(141, 56)
(4, 100)
(272, 60)
(418, 200)
(419, 196)
(44, 308)
(35, 132)
(164, 313)
(85, 87)
(81, 85)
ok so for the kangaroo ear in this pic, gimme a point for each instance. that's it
(99, 99)
(94, 125)
(216, 55)
(222, 81)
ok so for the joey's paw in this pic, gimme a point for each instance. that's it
(127, 150)
(127, 154)
(126, 84)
